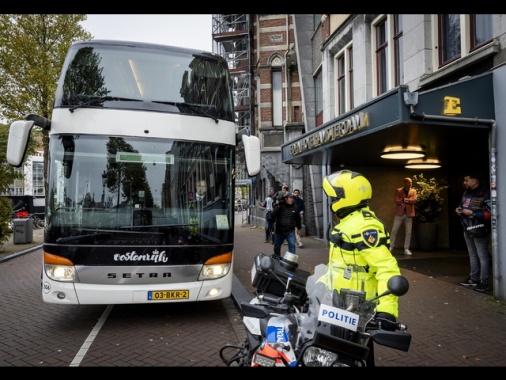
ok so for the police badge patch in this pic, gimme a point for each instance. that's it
(371, 237)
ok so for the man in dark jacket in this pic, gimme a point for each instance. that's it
(287, 219)
(475, 204)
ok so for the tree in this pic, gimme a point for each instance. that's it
(32, 50)
(8, 175)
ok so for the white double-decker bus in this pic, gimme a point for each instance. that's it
(140, 200)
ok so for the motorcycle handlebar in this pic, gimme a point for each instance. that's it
(270, 299)
(388, 325)
(401, 326)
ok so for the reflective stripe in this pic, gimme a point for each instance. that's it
(360, 245)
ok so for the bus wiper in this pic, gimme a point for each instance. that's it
(192, 107)
(81, 237)
(210, 238)
(154, 226)
(86, 233)
(100, 100)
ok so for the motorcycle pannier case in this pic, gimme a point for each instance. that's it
(266, 282)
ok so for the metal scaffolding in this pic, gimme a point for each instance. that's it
(232, 40)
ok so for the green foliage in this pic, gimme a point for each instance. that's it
(32, 51)
(5, 217)
(7, 172)
(429, 202)
(8, 175)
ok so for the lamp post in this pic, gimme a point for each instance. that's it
(104, 182)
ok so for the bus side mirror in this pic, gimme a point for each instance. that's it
(19, 133)
(252, 154)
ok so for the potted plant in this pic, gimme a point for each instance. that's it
(428, 207)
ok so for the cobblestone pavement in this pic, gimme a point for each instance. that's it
(450, 325)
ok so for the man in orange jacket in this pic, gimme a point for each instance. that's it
(404, 199)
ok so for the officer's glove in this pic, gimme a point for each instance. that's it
(386, 321)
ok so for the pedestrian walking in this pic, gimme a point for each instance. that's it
(299, 203)
(287, 219)
(404, 199)
(267, 203)
(474, 212)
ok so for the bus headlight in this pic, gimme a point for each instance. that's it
(63, 273)
(214, 271)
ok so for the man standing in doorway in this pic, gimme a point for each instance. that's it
(475, 204)
(404, 199)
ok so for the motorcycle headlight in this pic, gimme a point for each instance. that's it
(318, 357)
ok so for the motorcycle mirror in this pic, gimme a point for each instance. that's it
(398, 285)
(266, 264)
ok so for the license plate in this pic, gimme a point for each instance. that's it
(161, 295)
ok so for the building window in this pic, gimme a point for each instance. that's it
(351, 89)
(318, 87)
(399, 66)
(341, 85)
(19, 183)
(460, 34)
(449, 38)
(388, 56)
(317, 18)
(277, 98)
(38, 178)
(381, 57)
(481, 30)
(344, 75)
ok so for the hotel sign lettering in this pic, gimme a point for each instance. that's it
(332, 132)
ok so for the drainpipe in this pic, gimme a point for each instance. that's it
(493, 177)
(286, 73)
(287, 112)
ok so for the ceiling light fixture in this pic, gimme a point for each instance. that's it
(403, 153)
(423, 164)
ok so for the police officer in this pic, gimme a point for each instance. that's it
(360, 239)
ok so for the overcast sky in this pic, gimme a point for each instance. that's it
(184, 30)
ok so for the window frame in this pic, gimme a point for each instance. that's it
(468, 37)
(476, 23)
(318, 88)
(398, 46)
(388, 70)
(381, 55)
(277, 96)
(343, 64)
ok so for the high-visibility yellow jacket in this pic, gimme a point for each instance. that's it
(363, 241)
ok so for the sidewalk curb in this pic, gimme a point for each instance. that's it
(20, 253)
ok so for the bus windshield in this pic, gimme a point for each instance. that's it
(138, 191)
(145, 78)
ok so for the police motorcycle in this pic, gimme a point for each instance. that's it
(322, 326)
(270, 318)
(339, 325)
